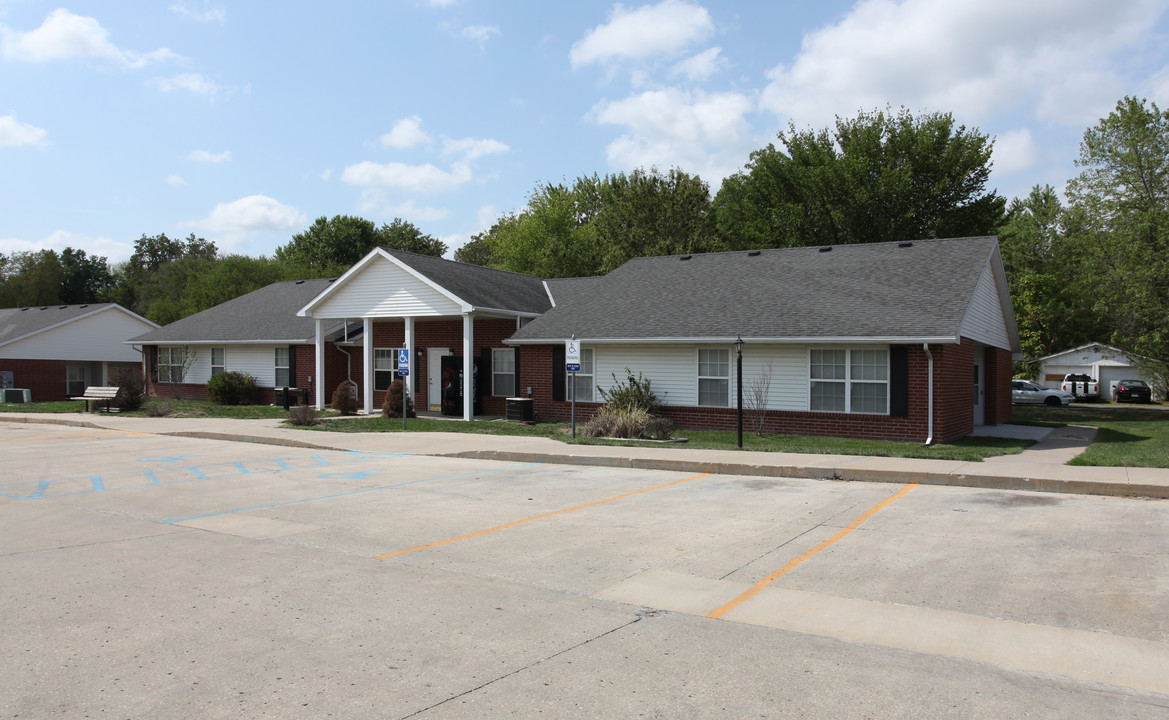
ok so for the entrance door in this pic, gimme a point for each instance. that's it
(434, 358)
(979, 382)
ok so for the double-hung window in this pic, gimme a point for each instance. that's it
(170, 363)
(584, 379)
(714, 377)
(849, 380)
(218, 360)
(503, 380)
(385, 367)
(283, 368)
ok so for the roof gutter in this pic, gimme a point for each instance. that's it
(929, 392)
(884, 340)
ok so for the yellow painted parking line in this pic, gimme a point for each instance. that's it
(41, 437)
(759, 586)
(505, 526)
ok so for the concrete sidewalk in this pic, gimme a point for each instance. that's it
(1039, 468)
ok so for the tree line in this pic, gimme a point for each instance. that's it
(1093, 269)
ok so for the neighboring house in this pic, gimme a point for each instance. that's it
(856, 340)
(292, 334)
(57, 351)
(1104, 363)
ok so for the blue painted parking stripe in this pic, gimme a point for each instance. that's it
(343, 495)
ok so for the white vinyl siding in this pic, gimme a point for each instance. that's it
(503, 372)
(97, 338)
(383, 289)
(170, 364)
(984, 321)
(255, 360)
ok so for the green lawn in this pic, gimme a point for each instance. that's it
(178, 408)
(968, 449)
(1129, 435)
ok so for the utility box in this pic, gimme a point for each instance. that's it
(521, 409)
(17, 395)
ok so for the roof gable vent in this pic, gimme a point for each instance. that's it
(685, 257)
(753, 253)
(905, 244)
(826, 249)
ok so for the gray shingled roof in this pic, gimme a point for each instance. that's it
(262, 315)
(16, 323)
(482, 287)
(879, 290)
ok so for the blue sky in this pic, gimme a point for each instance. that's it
(243, 122)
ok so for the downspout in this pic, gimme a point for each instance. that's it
(929, 392)
(348, 357)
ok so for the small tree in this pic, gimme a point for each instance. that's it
(392, 407)
(131, 391)
(345, 398)
(181, 358)
(758, 388)
(632, 393)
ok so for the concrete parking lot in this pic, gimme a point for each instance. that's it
(148, 576)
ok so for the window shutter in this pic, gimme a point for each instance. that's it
(486, 381)
(899, 381)
(519, 388)
(558, 373)
(292, 366)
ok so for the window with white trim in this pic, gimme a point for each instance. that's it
(283, 369)
(714, 377)
(170, 363)
(385, 367)
(852, 380)
(584, 379)
(218, 361)
(503, 381)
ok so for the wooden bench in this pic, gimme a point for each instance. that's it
(98, 393)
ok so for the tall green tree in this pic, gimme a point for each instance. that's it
(882, 176)
(1121, 201)
(329, 247)
(151, 282)
(86, 277)
(32, 278)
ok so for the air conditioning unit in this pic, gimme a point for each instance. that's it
(17, 395)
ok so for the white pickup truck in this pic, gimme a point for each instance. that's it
(1082, 386)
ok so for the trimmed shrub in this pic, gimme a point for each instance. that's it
(659, 428)
(345, 398)
(233, 388)
(392, 407)
(304, 415)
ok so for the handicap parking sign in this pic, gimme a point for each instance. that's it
(403, 361)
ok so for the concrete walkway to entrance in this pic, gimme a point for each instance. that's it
(1041, 467)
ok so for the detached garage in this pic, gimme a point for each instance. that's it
(1105, 363)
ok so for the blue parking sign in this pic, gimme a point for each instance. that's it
(403, 362)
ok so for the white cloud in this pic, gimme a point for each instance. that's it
(209, 158)
(479, 33)
(251, 214)
(65, 36)
(327, 174)
(647, 31)
(470, 149)
(486, 217)
(58, 240)
(374, 202)
(14, 133)
(208, 14)
(406, 133)
(975, 58)
(193, 83)
(414, 178)
(175, 180)
(440, 3)
(1014, 152)
(702, 66)
(702, 133)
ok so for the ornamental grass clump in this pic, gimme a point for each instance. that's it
(632, 411)
(304, 415)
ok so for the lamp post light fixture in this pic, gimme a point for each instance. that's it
(739, 382)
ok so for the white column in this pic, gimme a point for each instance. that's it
(367, 383)
(319, 372)
(415, 366)
(468, 367)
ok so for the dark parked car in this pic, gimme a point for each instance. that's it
(1133, 390)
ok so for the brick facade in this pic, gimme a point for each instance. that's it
(44, 378)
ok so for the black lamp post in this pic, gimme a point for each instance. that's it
(739, 382)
